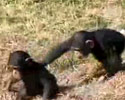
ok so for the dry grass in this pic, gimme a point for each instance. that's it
(35, 25)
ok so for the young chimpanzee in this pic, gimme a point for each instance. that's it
(37, 79)
(105, 44)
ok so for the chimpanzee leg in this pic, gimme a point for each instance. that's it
(113, 62)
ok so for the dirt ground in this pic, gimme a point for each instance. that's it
(83, 83)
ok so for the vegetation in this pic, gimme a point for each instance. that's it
(37, 25)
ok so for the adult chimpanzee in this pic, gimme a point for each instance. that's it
(37, 79)
(105, 44)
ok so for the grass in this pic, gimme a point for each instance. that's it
(38, 25)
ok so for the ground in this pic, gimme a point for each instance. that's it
(36, 26)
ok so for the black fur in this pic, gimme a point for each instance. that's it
(107, 48)
(37, 79)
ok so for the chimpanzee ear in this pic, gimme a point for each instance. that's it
(90, 43)
(29, 61)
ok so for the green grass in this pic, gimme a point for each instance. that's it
(56, 17)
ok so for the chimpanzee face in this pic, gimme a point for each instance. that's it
(82, 42)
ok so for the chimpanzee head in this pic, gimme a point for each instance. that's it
(19, 59)
(83, 42)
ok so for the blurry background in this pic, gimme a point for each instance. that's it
(38, 25)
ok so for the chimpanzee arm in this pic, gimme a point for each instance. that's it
(57, 51)
(74, 43)
(22, 94)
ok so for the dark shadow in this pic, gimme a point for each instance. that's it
(65, 88)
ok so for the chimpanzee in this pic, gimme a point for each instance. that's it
(105, 44)
(36, 78)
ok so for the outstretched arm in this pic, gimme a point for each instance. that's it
(74, 43)
(57, 51)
